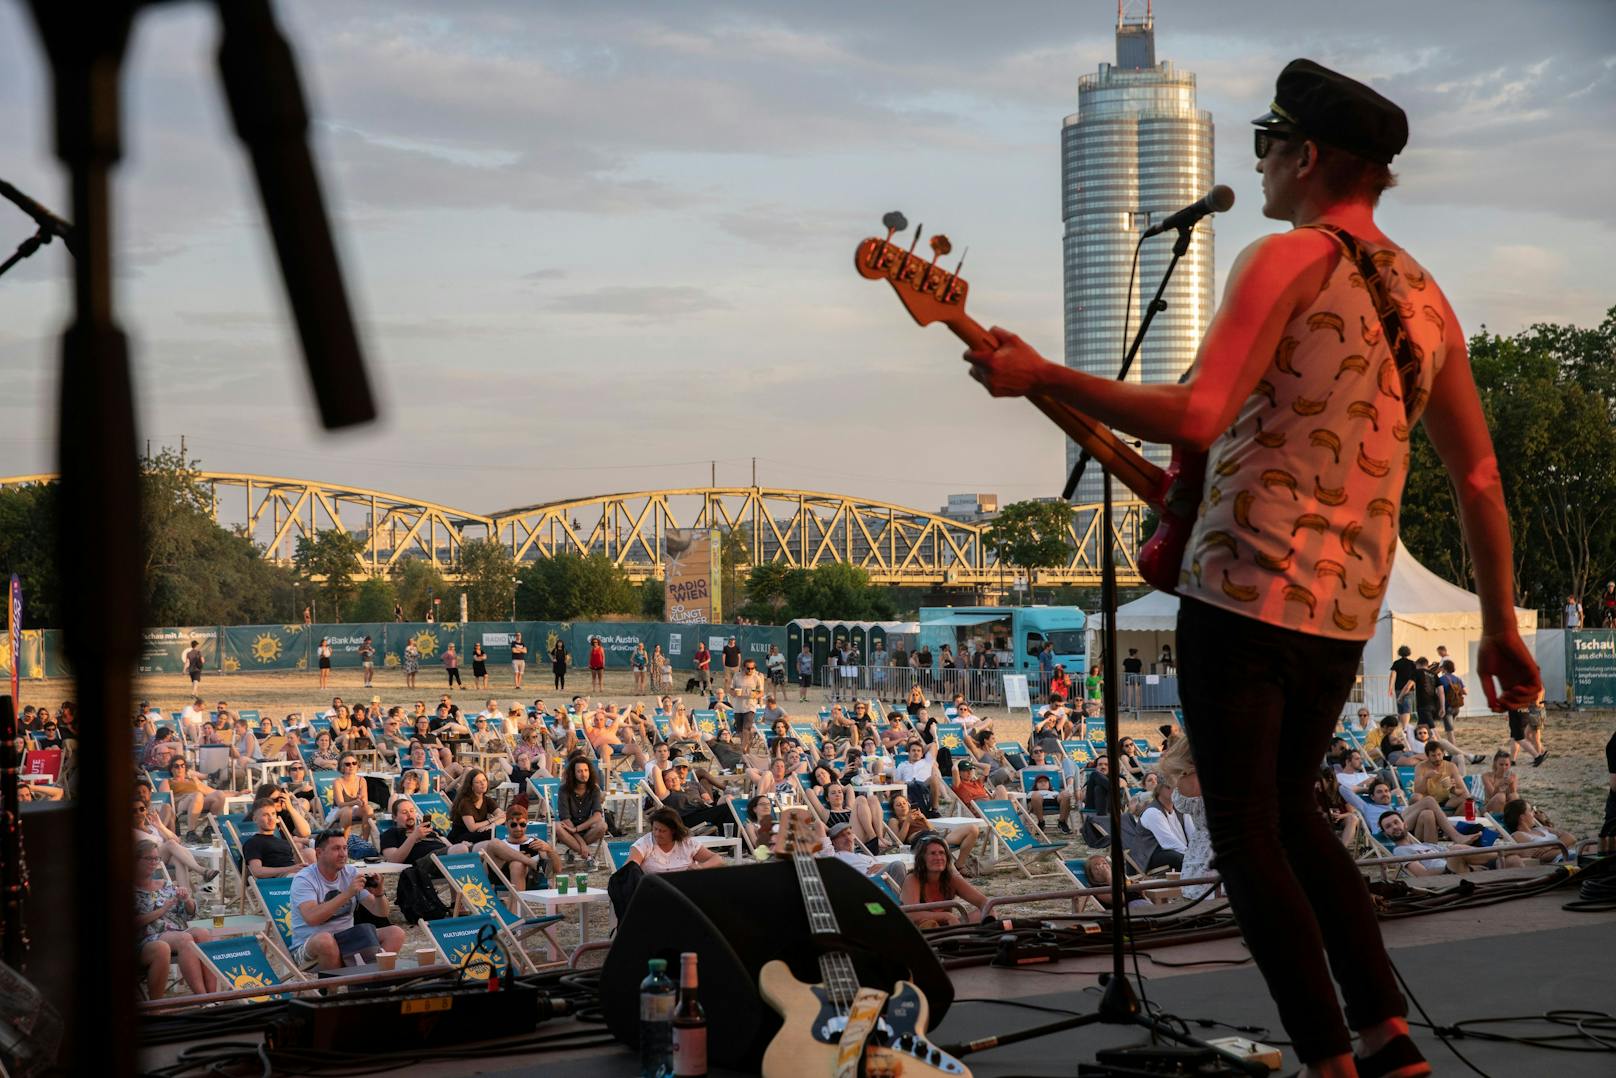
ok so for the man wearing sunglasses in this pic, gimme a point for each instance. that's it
(1331, 343)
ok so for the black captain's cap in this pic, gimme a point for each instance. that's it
(1327, 106)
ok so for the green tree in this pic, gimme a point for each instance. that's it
(487, 576)
(734, 555)
(568, 587)
(415, 582)
(1031, 535)
(327, 563)
(653, 599)
(772, 589)
(374, 600)
(1549, 396)
(28, 548)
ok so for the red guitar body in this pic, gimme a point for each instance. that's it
(1161, 559)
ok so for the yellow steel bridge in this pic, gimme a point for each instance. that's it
(895, 544)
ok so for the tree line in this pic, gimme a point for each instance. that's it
(1548, 392)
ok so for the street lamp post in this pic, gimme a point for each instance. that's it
(516, 582)
(294, 603)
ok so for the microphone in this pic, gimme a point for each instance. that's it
(44, 218)
(1217, 200)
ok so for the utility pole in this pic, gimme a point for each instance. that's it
(713, 482)
(754, 471)
(184, 460)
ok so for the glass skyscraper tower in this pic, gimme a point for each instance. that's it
(1136, 150)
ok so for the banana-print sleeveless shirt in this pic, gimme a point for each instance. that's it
(1298, 516)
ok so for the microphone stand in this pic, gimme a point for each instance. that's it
(1152, 309)
(1119, 1005)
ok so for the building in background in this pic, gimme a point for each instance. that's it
(1136, 150)
(971, 508)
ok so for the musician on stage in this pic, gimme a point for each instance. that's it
(1302, 396)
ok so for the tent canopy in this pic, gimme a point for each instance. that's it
(965, 619)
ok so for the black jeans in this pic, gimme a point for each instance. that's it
(1260, 704)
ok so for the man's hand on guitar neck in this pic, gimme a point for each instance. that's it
(1007, 365)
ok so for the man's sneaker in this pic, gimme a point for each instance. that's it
(192, 838)
(1538, 759)
(1065, 827)
(1477, 758)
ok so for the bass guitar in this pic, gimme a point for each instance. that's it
(838, 1027)
(932, 294)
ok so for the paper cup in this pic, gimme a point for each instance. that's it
(386, 960)
(426, 956)
(561, 883)
(583, 882)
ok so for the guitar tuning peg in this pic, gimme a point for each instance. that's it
(895, 222)
(940, 246)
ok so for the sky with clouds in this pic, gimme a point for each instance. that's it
(594, 246)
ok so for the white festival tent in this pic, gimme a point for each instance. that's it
(1420, 610)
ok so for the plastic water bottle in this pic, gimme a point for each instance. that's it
(657, 1001)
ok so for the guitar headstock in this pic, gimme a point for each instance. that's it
(796, 832)
(927, 291)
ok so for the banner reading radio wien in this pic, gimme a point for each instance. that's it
(691, 595)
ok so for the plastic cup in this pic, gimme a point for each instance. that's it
(218, 917)
(426, 956)
(562, 882)
(729, 830)
(583, 882)
(386, 960)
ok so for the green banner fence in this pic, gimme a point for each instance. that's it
(227, 649)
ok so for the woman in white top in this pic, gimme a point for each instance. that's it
(1527, 824)
(669, 846)
(1178, 769)
(1171, 828)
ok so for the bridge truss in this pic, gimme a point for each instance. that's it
(895, 544)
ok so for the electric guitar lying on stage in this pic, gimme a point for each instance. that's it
(839, 1028)
(931, 294)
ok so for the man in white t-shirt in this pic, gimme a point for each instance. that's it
(841, 848)
(1394, 828)
(323, 897)
(921, 767)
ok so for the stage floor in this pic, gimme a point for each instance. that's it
(1521, 957)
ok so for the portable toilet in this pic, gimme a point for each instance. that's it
(796, 632)
(822, 640)
(857, 635)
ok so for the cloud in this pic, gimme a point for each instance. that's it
(551, 273)
(645, 302)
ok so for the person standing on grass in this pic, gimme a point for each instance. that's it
(518, 658)
(367, 659)
(451, 666)
(193, 666)
(597, 665)
(324, 656)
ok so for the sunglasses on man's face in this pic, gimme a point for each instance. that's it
(1264, 139)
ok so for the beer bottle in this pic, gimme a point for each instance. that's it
(689, 1024)
(656, 1017)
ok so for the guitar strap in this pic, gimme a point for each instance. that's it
(1405, 352)
(861, 1020)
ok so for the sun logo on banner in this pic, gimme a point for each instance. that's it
(1007, 829)
(475, 894)
(426, 642)
(477, 964)
(242, 977)
(391, 661)
(439, 820)
(951, 741)
(283, 920)
(230, 665)
(550, 642)
(291, 628)
(708, 726)
(267, 648)
(303, 663)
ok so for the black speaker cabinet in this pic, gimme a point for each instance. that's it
(737, 919)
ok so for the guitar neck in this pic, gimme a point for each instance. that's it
(835, 967)
(1147, 481)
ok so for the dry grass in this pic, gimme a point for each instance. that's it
(1570, 784)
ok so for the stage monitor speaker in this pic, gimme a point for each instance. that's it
(737, 919)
